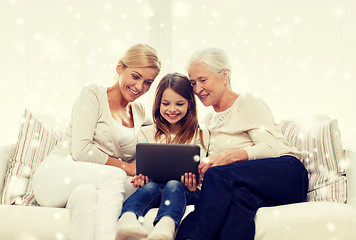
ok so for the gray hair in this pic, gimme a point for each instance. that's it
(214, 58)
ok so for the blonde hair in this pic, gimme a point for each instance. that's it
(141, 55)
(214, 58)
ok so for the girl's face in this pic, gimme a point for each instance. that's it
(134, 82)
(173, 106)
(207, 85)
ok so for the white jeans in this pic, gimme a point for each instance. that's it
(93, 193)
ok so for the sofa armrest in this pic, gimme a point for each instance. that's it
(350, 157)
(6, 152)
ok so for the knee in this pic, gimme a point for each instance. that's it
(219, 174)
(152, 186)
(83, 198)
(215, 171)
(113, 175)
(173, 185)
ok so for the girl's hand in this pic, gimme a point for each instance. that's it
(139, 181)
(190, 181)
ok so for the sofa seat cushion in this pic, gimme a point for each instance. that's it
(310, 220)
(28, 222)
(307, 221)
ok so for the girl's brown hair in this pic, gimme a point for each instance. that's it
(189, 123)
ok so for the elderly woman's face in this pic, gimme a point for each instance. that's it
(207, 85)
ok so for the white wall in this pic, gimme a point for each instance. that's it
(298, 55)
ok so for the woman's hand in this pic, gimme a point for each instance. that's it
(211, 161)
(129, 168)
(190, 181)
(139, 181)
(220, 159)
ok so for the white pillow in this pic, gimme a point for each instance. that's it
(6, 152)
(35, 141)
(323, 157)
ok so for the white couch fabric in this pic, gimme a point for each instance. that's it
(30, 223)
(310, 220)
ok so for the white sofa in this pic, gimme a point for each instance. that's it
(318, 220)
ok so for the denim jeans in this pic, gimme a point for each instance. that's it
(231, 195)
(171, 198)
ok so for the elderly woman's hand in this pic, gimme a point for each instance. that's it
(211, 161)
(222, 158)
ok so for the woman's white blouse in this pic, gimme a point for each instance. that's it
(248, 124)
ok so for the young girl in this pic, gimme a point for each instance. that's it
(175, 121)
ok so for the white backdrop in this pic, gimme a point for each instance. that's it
(298, 55)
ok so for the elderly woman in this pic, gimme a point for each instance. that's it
(249, 164)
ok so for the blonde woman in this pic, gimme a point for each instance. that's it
(86, 172)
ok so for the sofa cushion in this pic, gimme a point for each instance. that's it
(35, 141)
(307, 221)
(323, 157)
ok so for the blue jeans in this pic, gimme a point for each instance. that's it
(232, 194)
(171, 198)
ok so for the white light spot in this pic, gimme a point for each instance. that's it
(26, 170)
(20, 21)
(107, 6)
(181, 9)
(167, 202)
(331, 227)
(297, 19)
(67, 180)
(206, 160)
(35, 143)
(343, 164)
(57, 216)
(18, 201)
(196, 158)
(59, 236)
(301, 136)
(147, 12)
(141, 219)
(339, 11)
(215, 14)
(106, 26)
(241, 21)
(65, 144)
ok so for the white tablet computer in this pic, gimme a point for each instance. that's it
(164, 162)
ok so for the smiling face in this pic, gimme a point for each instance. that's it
(134, 82)
(207, 85)
(173, 107)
